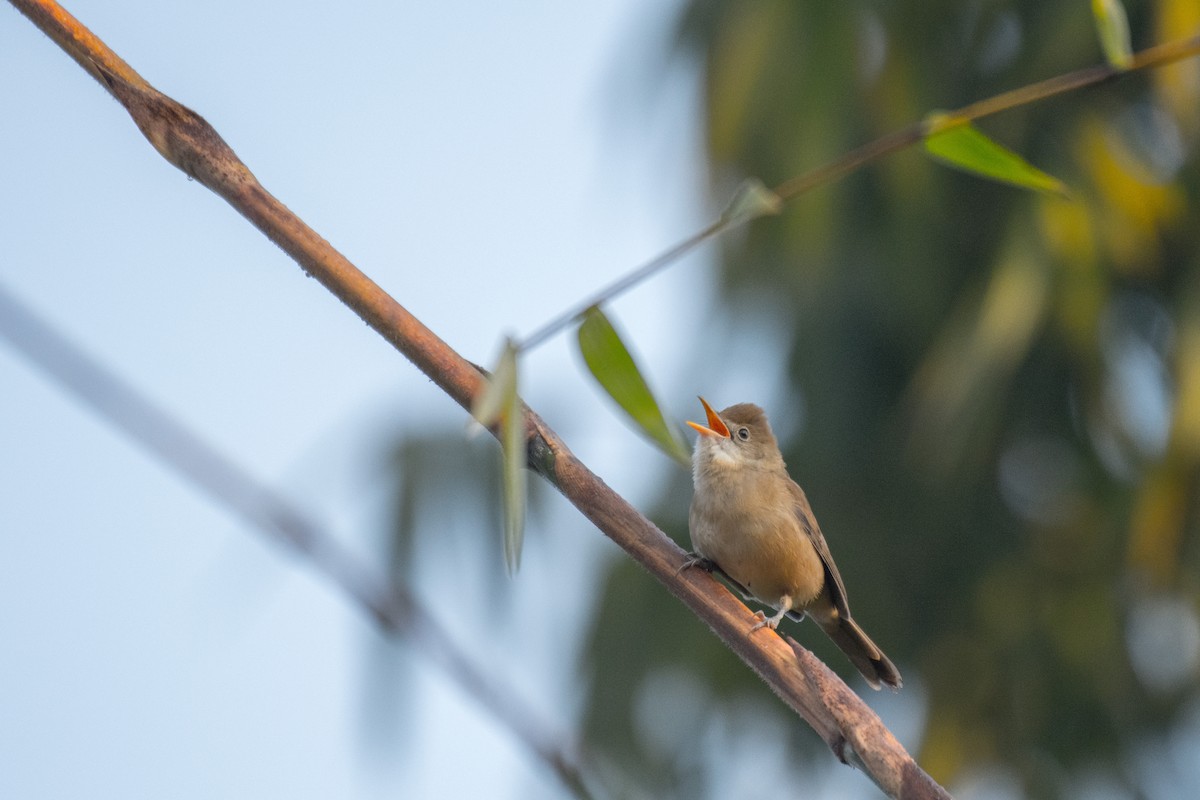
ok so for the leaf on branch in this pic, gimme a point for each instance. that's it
(500, 402)
(512, 439)
(751, 201)
(957, 143)
(1113, 28)
(490, 403)
(611, 363)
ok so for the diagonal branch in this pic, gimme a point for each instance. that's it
(190, 143)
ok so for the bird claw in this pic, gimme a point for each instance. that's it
(763, 622)
(771, 622)
(696, 561)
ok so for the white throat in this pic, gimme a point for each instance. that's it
(713, 454)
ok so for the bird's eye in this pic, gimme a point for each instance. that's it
(743, 433)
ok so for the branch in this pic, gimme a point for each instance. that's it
(656, 264)
(392, 606)
(861, 739)
(191, 144)
(872, 151)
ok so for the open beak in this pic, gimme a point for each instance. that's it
(715, 426)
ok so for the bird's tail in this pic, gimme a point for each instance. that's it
(863, 653)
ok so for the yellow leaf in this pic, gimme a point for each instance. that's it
(1113, 28)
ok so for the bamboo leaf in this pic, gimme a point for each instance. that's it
(500, 402)
(512, 440)
(1113, 28)
(958, 144)
(611, 363)
(489, 404)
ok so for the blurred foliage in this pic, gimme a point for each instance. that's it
(446, 488)
(1001, 390)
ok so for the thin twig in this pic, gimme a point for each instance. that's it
(619, 286)
(1150, 58)
(872, 151)
(395, 609)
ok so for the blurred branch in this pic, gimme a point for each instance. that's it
(190, 143)
(395, 609)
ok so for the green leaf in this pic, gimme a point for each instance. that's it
(512, 441)
(613, 366)
(500, 402)
(957, 143)
(1113, 27)
(490, 403)
(751, 201)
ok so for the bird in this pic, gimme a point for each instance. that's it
(750, 520)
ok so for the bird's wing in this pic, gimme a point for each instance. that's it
(808, 521)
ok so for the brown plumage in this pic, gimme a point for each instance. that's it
(750, 519)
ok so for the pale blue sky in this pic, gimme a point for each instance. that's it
(488, 164)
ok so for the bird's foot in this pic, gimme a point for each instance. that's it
(773, 621)
(696, 561)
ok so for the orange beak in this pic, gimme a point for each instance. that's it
(715, 426)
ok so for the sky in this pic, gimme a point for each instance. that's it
(487, 164)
